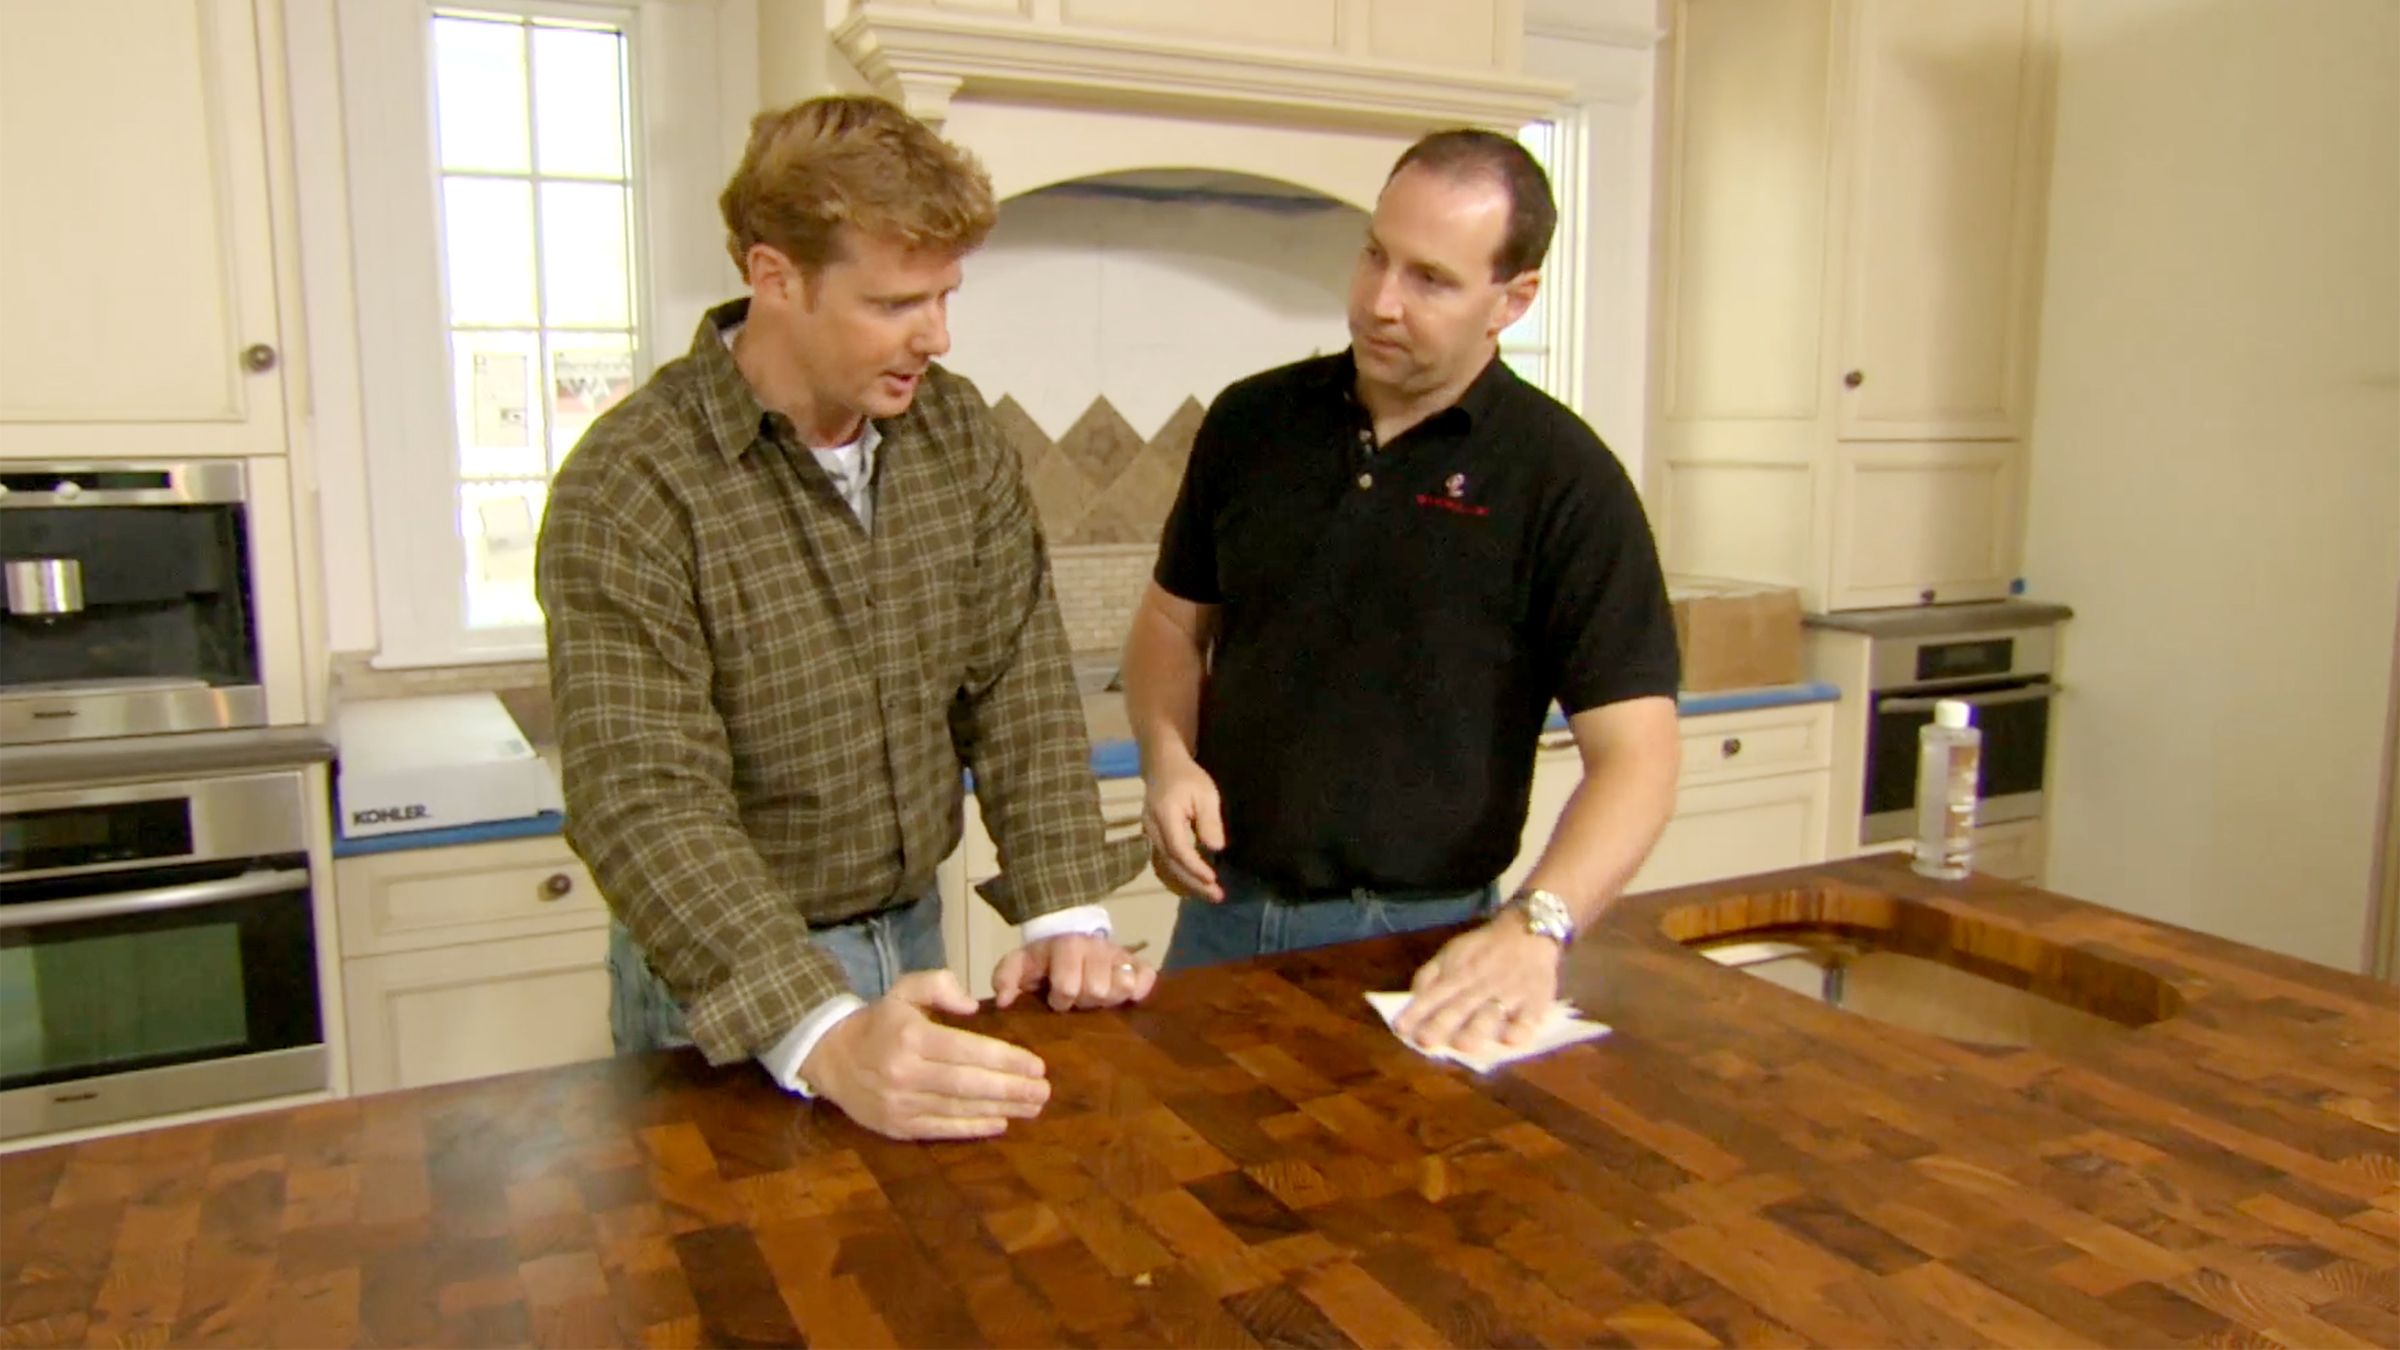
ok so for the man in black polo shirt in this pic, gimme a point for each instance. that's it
(1382, 569)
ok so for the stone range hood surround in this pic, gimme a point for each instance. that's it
(1045, 96)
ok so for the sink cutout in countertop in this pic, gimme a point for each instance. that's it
(1914, 965)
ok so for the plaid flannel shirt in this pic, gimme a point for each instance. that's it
(763, 710)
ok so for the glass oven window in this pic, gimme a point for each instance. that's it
(111, 993)
(2015, 738)
(94, 1004)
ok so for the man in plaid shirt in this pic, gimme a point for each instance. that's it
(794, 584)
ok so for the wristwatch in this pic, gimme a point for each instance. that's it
(1545, 914)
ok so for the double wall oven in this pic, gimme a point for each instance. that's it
(2002, 672)
(158, 943)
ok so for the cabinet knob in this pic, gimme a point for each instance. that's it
(258, 358)
(1853, 379)
(1732, 746)
(1925, 597)
(557, 885)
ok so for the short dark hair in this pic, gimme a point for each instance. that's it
(1468, 152)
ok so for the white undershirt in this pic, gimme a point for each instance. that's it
(852, 469)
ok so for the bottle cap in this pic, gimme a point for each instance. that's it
(1952, 713)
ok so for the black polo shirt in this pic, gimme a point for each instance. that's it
(1396, 622)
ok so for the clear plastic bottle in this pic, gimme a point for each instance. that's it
(1949, 750)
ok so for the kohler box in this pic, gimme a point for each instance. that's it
(432, 763)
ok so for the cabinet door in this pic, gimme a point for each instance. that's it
(1945, 128)
(1925, 522)
(1557, 772)
(1734, 829)
(136, 246)
(447, 1013)
(1743, 245)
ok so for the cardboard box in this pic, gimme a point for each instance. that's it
(429, 763)
(1736, 635)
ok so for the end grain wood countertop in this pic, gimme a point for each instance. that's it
(1251, 1157)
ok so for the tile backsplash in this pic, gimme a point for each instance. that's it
(1099, 586)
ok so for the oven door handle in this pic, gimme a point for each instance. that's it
(2032, 693)
(247, 886)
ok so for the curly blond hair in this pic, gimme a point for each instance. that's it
(851, 160)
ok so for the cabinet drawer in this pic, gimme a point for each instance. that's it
(1726, 746)
(391, 902)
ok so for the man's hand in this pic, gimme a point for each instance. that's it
(1493, 983)
(1081, 970)
(902, 1074)
(1182, 814)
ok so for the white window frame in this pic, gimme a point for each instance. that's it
(680, 161)
(1561, 366)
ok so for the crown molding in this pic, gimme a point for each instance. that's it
(1588, 21)
(922, 57)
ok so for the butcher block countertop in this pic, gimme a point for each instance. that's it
(1252, 1158)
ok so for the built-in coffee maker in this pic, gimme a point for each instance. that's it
(130, 604)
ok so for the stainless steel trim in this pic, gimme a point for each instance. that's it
(214, 483)
(247, 886)
(105, 1099)
(1885, 826)
(45, 587)
(1995, 698)
(61, 764)
(1892, 662)
(1907, 621)
(243, 816)
(92, 711)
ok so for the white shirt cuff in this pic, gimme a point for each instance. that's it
(783, 1059)
(1060, 923)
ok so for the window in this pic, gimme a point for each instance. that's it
(1539, 346)
(531, 224)
(537, 205)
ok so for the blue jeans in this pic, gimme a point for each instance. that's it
(874, 952)
(1253, 921)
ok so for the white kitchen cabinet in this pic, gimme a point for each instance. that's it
(1754, 795)
(1142, 910)
(139, 277)
(1926, 516)
(1735, 829)
(468, 961)
(1946, 139)
(1853, 201)
(1475, 35)
(447, 1013)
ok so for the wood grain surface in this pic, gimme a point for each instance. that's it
(1252, 1159)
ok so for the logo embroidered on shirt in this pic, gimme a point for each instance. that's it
(1455, 499)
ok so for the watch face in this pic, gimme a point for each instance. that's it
(1547, 915)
